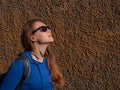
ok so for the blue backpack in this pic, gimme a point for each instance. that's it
(25, 74)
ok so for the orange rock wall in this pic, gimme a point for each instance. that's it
(87, 38)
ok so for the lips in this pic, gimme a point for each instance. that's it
(49, 35)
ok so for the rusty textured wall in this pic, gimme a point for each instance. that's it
(87, 38)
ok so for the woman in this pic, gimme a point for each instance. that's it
(44, 72)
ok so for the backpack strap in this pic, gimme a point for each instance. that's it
(26, 70)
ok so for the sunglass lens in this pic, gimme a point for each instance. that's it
(44, 28)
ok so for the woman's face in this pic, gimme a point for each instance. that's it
(42, 34)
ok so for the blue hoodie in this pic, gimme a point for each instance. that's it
(39, 78)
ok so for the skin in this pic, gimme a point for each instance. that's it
(40, 40)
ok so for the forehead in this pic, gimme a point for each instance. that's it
(38, 24)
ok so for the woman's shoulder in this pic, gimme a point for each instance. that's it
(16, 64)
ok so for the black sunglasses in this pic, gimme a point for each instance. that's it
(42, 29)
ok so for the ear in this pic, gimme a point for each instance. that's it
(33, 38)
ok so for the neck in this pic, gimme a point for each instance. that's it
(41, 54)
(42, 48)
(39, 50)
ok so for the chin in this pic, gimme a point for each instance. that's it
(52, 40)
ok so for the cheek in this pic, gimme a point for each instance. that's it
(41, 38)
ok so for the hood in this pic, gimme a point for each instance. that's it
(26, 54)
